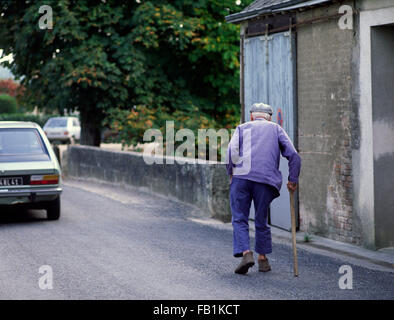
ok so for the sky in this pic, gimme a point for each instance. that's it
(5, 58)
(5, 73)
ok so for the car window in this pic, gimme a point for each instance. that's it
(57, 123)
(22, 145)
(75, 123)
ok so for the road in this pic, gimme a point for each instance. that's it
(112, 243)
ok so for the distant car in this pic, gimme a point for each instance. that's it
(63, 129)
(30, 173)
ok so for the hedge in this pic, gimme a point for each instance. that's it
(40, 119)
(8, 104)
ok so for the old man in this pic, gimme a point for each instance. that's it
(253, 166)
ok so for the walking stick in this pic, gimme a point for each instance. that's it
(293, 233)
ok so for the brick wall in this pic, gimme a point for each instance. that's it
(324, 79)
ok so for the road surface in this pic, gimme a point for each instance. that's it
(112, 243)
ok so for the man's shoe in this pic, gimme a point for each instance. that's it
(264, 265)
(246, 263)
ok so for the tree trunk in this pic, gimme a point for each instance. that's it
(90, 130)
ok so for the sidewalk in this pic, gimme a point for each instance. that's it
(383, 257)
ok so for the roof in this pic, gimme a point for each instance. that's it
(64, 117)
(260, 4)
(260, 7)
(17, 124)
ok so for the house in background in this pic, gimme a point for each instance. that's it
(327, 68)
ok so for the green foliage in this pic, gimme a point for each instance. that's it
(128, 126)
(101, 56)
(307, 237)
(187, 55)
(8, 104)
(39, 119)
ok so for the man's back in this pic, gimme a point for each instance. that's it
(258, 144)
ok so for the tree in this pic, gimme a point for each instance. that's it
(77, 64)
(188, 56)
(113, 54)
(10, 87)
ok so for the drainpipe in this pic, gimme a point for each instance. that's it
(242, 73)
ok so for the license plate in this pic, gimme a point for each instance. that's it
(7, 182)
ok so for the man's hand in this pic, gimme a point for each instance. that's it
(231, 178)
(291, 186)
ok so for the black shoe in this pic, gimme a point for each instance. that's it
(246, 263)
(264, 265)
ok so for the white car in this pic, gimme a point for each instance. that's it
(30, 174)
(63, 129)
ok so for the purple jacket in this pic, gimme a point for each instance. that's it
(254, 153)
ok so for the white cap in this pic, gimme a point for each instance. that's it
(262, 107)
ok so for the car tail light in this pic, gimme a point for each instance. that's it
(44, 179)
(66, 133)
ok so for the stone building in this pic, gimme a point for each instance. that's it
(327, 68)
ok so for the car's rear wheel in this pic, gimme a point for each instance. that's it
(53, 209)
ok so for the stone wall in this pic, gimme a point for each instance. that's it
(203, 185)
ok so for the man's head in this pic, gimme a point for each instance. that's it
(261, 111)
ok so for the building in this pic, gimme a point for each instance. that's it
(327, 68)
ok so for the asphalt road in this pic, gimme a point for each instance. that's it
(116, 244)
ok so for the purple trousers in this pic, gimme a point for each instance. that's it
(242, 192)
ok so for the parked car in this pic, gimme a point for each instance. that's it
(30, 174)
(63, 129)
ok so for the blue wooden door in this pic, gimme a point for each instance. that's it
(269, 77)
